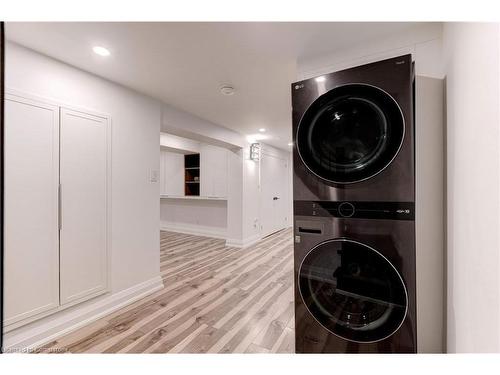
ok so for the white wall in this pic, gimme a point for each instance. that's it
(194, 216)
(243, 198)
(472, 66)
(244, 214)
(234, 232)
(429, 213)
(251, 198)
(135, 130)
(178, 144)
(184, 124)
(423, 42)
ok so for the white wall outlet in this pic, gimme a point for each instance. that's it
(153, 175)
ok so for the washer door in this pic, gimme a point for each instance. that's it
(350, 133)
(353, 291)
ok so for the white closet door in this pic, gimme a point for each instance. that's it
(31, 208)
(84, 186)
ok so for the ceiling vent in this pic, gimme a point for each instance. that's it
(227, 90)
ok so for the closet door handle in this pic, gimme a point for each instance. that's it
(59, 206)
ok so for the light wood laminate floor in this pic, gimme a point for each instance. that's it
(216, 299)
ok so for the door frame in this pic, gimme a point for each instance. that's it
(269, 153)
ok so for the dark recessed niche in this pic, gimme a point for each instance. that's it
(192, 174)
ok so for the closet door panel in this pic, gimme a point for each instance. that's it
(84, 205)
(220, 174)
(206, 166)
(31, 208)
(213, 171)
(173, 172)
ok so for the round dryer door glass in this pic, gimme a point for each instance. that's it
(350, 133)
(353, 291)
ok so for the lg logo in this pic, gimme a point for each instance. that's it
(299, 86)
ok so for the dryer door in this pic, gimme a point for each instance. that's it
(353, 291)
(350, 133)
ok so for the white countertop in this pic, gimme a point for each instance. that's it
(196, 197)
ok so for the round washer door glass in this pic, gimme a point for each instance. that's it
(350, 133)
(353, 291)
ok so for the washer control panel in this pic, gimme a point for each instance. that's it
(356, 210)
(346, 209)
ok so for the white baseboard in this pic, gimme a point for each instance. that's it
(249, 241)
(59, 324)
(197, 230)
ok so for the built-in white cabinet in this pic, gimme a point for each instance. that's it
(57, 168)
(31, 236)
(171, 173)
(83, 175)
(213, 171)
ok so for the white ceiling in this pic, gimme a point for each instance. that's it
(184, 64)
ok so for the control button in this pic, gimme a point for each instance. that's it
(346, 209)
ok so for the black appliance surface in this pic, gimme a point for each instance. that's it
(354, 285)
(353, 134)
(354, 210)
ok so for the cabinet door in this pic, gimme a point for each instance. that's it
(220, 174)
(31, 208)
(172, 172)
(84, 205)
(213, 171)
(206, 183)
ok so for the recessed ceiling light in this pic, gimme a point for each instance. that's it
(320, 79)
(262, 130)
(227, 90)
(101, 51)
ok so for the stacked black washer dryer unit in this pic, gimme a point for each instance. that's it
(354, 200)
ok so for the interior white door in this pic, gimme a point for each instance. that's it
(31, 208)
(274, 194)
(84, 205)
